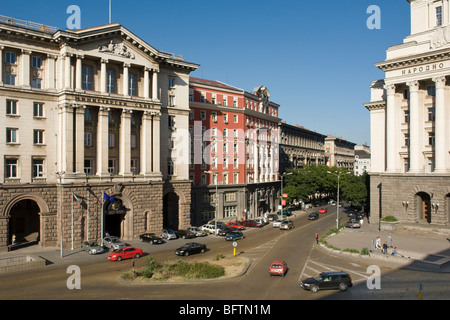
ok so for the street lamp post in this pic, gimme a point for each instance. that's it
(284, 174)
(338, 174)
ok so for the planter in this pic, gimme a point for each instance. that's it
(388, 226)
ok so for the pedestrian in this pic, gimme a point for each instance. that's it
(378, 243)
(317, 238)
(394, 252)
(13, 241)
(361, 221)
(385, 248)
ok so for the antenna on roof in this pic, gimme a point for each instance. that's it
(109, 11)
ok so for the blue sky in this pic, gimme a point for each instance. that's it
(315, 57)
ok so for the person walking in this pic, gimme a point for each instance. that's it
(317, 238)
(385, 246)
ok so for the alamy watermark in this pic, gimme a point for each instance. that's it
(374, 21)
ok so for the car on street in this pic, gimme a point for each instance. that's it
(277, 223)
(185, 234)
(223, 231)
(327, 281)
(278, 268)
(234, 235)
(272, 217)
(235, 225)
(113, 243)
(323, 210)
(92, 247)
(210, 228)
(168, 234)
(313, 216)
(286, 212)
(286, 225)
(150, 238)
(125, 253)
(250, 224)
(197, 231)
(352, 224)
(190, 248)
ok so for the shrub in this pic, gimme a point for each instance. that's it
(199, 270)
(389, 219)
(365, 252)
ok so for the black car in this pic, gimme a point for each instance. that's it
(190, 248)
(328, 280)
(151, 238)
(185, 234)
(313, 216)
(223, 231)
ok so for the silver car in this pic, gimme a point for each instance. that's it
(197, 231)
(114, 243)
(277, 223)
(287, 224)
(92, 247)
(168, 234)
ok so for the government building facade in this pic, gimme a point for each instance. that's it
(93, 138)
(410, 121)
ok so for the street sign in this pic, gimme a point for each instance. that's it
(234, 244)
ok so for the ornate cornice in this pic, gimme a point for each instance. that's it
(376, 105)
(416, 60)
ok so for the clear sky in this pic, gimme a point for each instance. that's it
(315, 57)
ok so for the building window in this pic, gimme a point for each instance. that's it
(230, 196)
(10, 57)
(225, 100)
(134, 166)
(225, 118)
(438, 16)
(406, 116)
(236, 178)
(87, 139)
(170, 168)
(36, 83)
(38, 136)
(10, 79)
(111, 82)
(87, 78)
(37, 62)
(431, 114)
(202, 115)
(171, 82)
(171, 100)
(133, 141)
(431, 138)
(191, 95)
(11, 168)
(111, 140)
(38, 168)
(203, 180)
(11, 108)
(88, 167)
(229, 211)
(38, 110)
(214, 116)
(235, 118)
(112, 166)
(431, 91)
(12, 135)
(132, 85)
(406, 139)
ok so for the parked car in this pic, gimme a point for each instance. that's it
(313, 216)
(235, 225)
(125, 253)
(278, 268)
(272, 217)
(286, 212)
(328, 280)
(197, 231)
(210, 228)
(190, 248)
(151, 238)
(92, 247)
(225, 230)
(185, 234)
(250, 224)
(113, 243)
(323, 210)
(352, 224)
(168, 234)
(286, 225)
(234, 235)
(276, 224)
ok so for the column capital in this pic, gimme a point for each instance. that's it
(390, 88)
(440, 82)
(413, 85)
(102, 60)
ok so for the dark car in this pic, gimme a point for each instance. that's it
(185, 234)
(190, 248)
(223, 231)
(313, 216)
(327, 281)
(234, 235)
(250, 224)
(151, 238)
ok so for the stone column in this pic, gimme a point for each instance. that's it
(156, 143)
(25, 72)
(126, 80)
(414, 127)
(124, 143)
(146, 144)
(1, 65)
(67, 71)
(155, 85)
(439, 125)
(146, 83)
(51, 65)
(102, 142)
(391, 125)
(79, 140)
(79, 74)
(66, 137)
(103, 76)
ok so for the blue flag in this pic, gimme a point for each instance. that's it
(109, 198)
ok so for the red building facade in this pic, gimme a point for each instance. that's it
(234, 153)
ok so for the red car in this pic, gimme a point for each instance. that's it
(323, 210)
(278, 268)
(235, 225)
(250, 224)
(125, 253)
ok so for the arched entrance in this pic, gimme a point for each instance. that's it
(423, 207)
(114, 219)
(171, 211)
(24, 222)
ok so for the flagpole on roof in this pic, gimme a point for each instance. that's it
(109, 11)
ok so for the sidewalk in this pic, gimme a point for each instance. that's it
(415, 249)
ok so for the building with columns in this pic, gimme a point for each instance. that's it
(234, 151)
(410, 120)
(86, 113)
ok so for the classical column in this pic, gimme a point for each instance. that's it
(414, 127)
(66, 140)
(126, 80)
(103, 76)
(390, 128)
(51, 68)
(1, 65)
(67, 71)
(124, 143)
(102, 142)
(439, 125)
(146, 144)
(79, 73)
(155, 85)
(78, 133)
(146, 83)
(25, 68)
(156, 119)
